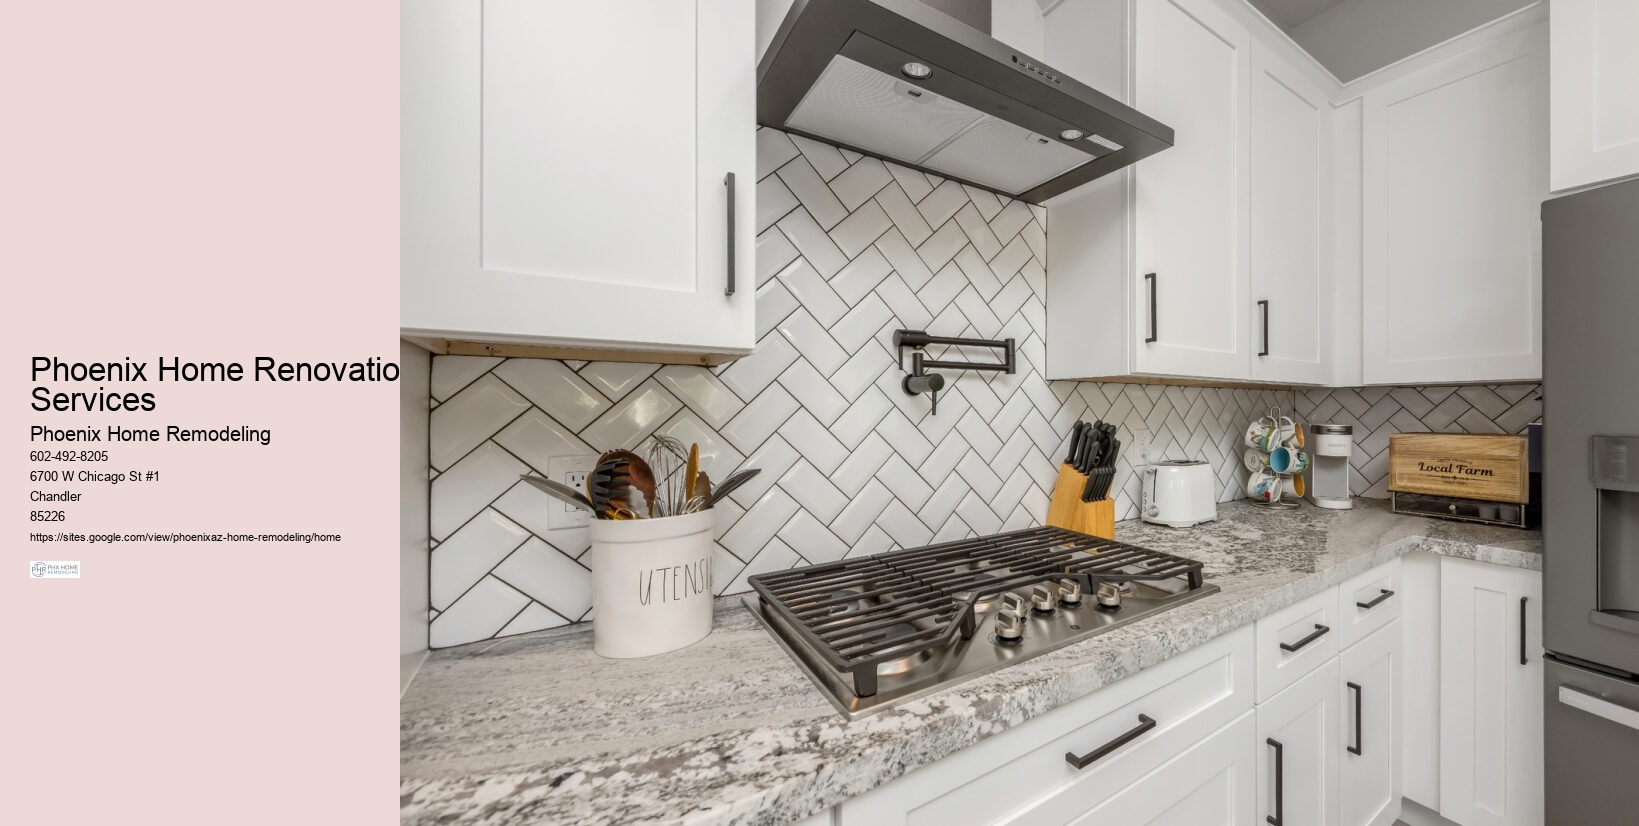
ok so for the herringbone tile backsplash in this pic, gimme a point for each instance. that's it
(1378, 412)
(848, 250)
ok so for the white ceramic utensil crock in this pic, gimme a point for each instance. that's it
(651, 584)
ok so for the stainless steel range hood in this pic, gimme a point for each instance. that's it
(904, 82)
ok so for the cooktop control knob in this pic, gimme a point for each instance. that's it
(1043, 600)
(1010, 620)
(1109, 596)
(1069, 593)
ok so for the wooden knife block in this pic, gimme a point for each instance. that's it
(1067, 511)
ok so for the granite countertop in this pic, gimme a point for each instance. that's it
(538, 729)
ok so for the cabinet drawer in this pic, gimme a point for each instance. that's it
(1294, 641)
(1007, 776)
(1369, 601)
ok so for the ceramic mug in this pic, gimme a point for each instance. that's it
(1264, 486)
(1288, 460)
(1254, 459)
(1293, 487)
(1268, 433)
(1259, 432)
(1296, 439)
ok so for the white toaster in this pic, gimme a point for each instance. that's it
(1179, 493)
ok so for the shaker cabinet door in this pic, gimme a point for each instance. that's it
(1454, 173)
(1369, 730)
(1190, 72)
(1490, 694)
(1594, 85)
(1290, 214)
(565, 173)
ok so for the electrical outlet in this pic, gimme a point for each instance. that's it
(572, 471)
(1142, 443)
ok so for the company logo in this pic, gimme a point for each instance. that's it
(54, 570)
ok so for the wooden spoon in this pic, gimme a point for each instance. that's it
(690, 482)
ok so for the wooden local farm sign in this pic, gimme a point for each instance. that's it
(1490, 468)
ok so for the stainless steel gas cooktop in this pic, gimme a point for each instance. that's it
(881, 630)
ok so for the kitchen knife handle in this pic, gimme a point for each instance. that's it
(1280, 783)
(1085, 760)
(1358, 733)
(1150, 277)
(1320, 631)
(1265, 305)
(1522, 658)
(728, 182)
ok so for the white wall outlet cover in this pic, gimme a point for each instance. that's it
(572, 471)
(1142, 441)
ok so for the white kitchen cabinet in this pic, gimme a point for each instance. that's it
(1369, 728)
(1454, 172)
(1289, 225)
(1298, 738)
(1204, 786)
(1490, 694)
(1153, 270)
(1191, 62)
(1294, 641)
(565, 177)
(1594, 85)
(1023, 775)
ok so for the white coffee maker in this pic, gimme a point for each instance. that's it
(1329, 449)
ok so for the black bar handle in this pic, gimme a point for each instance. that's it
(1265, 305)
(1522, 659)
(1085, 760)
(1280, 784)
(728, 182)
(1359, 733)
(1386, 593)
(1320, 631)
(1154, 335)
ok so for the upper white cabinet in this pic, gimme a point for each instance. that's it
(579, 175)
(1290, 195)
(1595, 90)
(1190, 65)
(1159, 271)
(1455, 170)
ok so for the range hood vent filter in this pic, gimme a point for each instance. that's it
(983, 114)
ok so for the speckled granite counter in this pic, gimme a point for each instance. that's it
(538, 729)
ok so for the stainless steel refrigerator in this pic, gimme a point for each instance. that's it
(1590, 307)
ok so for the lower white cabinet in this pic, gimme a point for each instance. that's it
(1369, 727)
(1298, 741)
(1204, 786)
(1024, 774)
(1490, 694)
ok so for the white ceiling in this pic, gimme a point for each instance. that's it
(1290, 13)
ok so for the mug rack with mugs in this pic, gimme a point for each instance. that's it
(1276, 457)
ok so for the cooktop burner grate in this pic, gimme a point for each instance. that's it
(858, 614)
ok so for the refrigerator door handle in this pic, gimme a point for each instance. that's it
(1599, 707)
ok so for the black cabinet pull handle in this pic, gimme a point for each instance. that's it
(1386, 593)
(1359, 733)
(1154, 335)
(1085, 760)
(1522, 659)
(728, 182)
(1280, 784)
(1320, 631)
(1265, 305)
